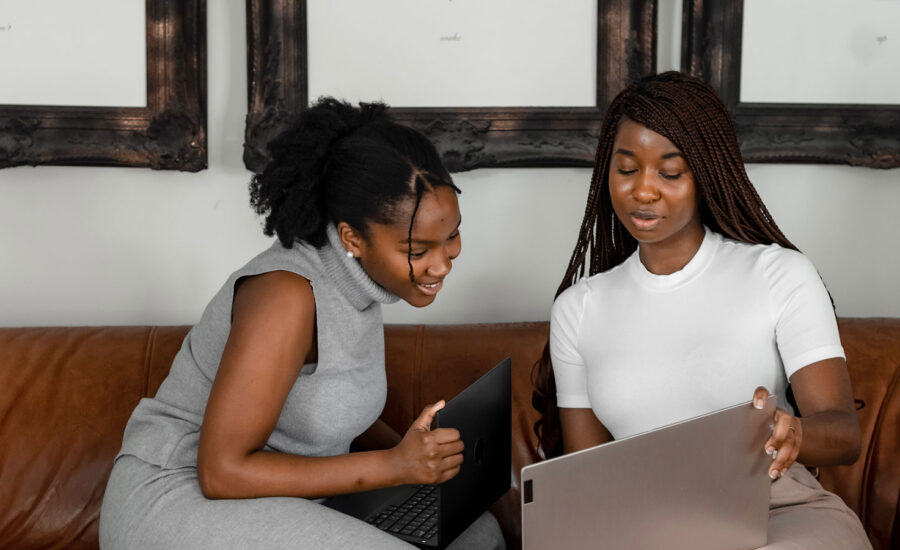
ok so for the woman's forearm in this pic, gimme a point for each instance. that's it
(268, 474)
(829, 438)
(378, 436)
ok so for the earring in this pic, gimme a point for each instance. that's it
(350, 254)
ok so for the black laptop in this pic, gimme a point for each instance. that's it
(432, 516)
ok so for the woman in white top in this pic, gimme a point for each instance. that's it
(695, 301)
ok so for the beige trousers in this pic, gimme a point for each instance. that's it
(804, 516)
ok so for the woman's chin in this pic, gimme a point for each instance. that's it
(419, 301)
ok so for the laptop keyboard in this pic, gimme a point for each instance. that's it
(415, 517)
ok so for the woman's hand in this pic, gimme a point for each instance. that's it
(425, 455)
(787, 435)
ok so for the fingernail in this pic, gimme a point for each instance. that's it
(770, 450)
(783, 472)
(759, 404)
(774, 474)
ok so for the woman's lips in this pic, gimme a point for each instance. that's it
(430, 289)
(645, 221)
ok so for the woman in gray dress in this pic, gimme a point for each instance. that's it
(285, 368)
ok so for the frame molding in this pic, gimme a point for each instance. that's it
(467, 138)
(855, 134)
(170, 133)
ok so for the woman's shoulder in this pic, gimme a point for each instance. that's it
(301, 259)
(274, 294)
(591, 286)
(275, 265)
(571, 295)
(777, 266)
(767, 256)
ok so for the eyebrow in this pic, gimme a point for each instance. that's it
(425, 241)
(628, 153)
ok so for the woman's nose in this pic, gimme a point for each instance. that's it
(441, 266)
(443, 261)
(644, 189)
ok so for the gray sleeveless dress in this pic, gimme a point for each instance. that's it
(153, 498)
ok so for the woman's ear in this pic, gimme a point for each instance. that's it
(351, 239)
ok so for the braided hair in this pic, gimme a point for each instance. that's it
(690, 114)
(340, 163)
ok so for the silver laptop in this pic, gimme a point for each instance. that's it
(700, 483)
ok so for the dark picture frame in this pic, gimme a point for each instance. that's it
(855, 134)
(467, 138)
(168, 134)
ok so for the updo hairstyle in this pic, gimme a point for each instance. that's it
(340, 163)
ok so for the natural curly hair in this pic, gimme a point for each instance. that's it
(337, 162)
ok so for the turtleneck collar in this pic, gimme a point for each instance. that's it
(693, 269)
(348, 276)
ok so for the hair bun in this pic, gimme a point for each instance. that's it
(299, 160)
(341, 163)
(313, 132)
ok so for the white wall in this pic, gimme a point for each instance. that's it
(94, 246)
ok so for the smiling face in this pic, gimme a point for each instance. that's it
(652, 191)
(385, 253)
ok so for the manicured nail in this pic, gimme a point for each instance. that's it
(783, 472)
(774, 474)
(759, 404)
(770, 450)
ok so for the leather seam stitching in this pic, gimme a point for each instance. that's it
(148, 358)
(417, 370)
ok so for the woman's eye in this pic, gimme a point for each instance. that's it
(628, 172)
(670, 176)
(416, 253)
(453, 236)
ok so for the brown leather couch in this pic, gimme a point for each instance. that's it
(66, 393)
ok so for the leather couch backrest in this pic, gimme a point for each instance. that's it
(871, 486)
(65, 396)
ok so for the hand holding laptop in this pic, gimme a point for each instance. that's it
(430, 511)
(787, 434)
(425, 455)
